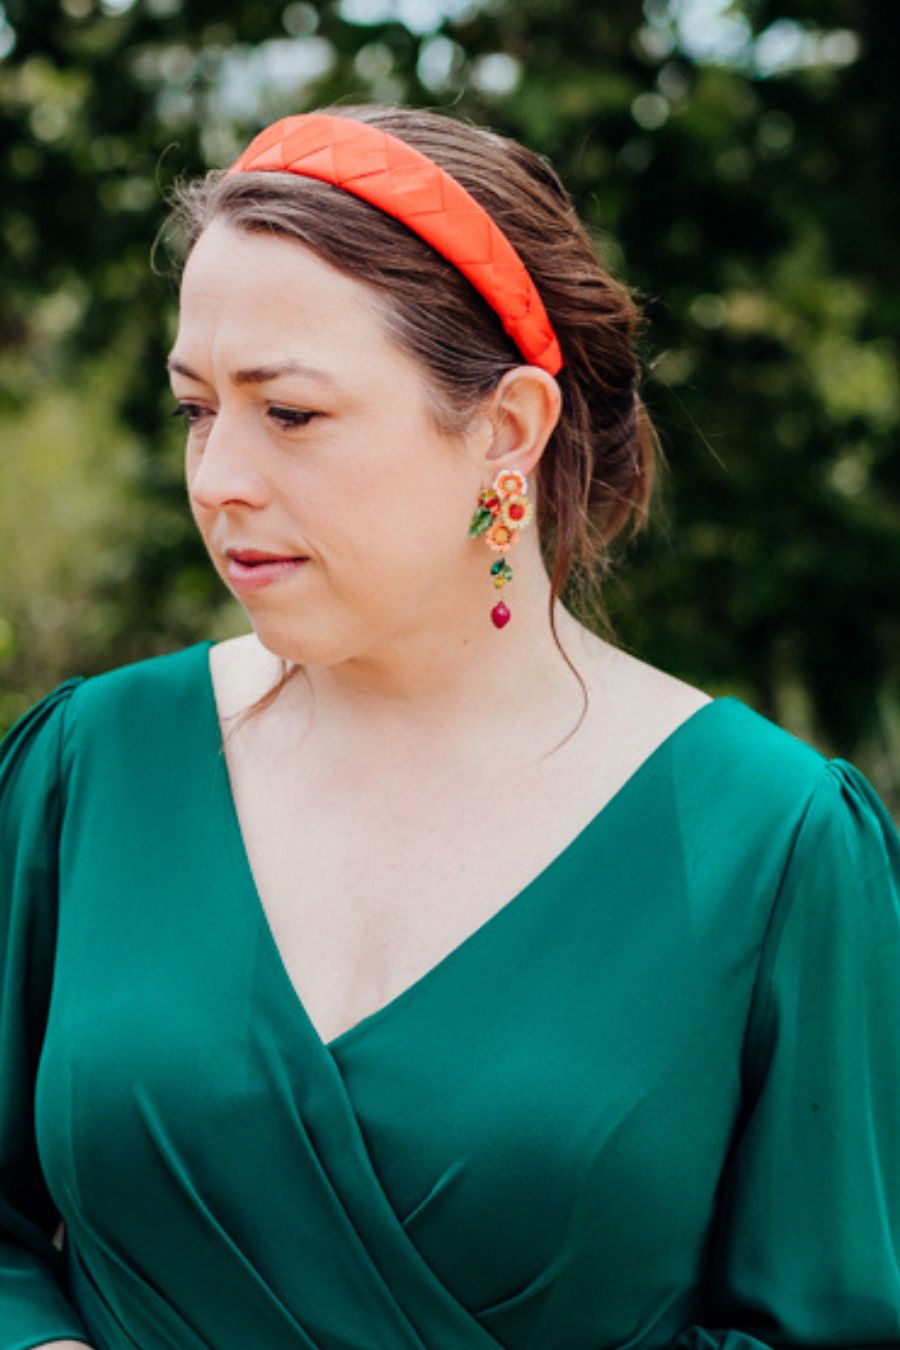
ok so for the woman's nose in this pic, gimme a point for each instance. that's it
(223, 467)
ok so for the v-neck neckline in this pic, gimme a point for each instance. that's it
(488, 926)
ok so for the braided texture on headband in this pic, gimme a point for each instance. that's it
(389, 174)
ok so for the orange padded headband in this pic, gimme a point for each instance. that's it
(386, 172)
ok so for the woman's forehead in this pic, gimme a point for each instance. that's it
(227, 260)
(266, 283)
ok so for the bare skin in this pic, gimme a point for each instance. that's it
(62, 1345)
(394, 800)
(371, 869)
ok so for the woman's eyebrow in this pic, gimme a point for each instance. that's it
(258, 374)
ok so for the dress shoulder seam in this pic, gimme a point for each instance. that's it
(71, 686)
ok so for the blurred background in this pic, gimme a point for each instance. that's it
(737, 163)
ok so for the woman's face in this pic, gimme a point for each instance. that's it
(310, 435)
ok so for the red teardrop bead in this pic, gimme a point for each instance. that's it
(500, 615)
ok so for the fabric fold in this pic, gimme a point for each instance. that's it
(35, 1302)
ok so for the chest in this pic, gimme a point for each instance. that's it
(374, 858)
(369, 880)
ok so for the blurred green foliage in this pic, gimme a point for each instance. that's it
(738, 165)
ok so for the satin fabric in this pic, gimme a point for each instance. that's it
(653, 1101)
(399, 180)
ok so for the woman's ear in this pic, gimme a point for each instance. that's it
(523, 411)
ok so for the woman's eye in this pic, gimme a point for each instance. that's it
(286, 417)
(290, 417)
(189, 411)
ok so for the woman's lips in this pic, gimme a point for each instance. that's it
(249, 577)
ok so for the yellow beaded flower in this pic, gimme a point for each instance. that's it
(500, 537)
(516, 510)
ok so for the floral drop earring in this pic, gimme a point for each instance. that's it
(502, 511)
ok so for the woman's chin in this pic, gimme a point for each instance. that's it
(295, 644)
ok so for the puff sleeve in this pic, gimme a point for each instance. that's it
(33, 1303)
(805, 1248)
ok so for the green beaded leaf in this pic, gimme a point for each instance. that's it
(507, 572)
(480, 522)
(496, 568)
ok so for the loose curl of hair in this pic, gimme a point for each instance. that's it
(597, 470)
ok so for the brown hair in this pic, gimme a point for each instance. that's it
(597, 470)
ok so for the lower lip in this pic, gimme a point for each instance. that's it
(253, 577)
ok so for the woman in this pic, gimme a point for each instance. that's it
(430, 1004)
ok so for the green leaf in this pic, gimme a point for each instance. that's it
(480, 521)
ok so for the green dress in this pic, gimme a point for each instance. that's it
(653, 1101)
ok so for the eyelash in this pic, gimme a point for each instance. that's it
(288, 417)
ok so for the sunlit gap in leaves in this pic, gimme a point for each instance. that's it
(715, 32)
(418, 16)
